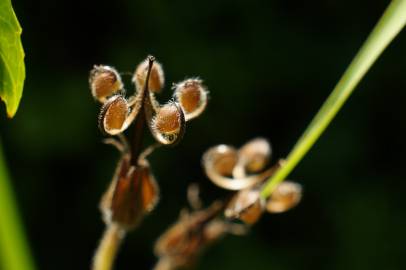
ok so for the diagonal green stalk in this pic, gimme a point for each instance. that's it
(390, 24)
(14, 251)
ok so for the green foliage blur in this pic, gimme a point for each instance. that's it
(268, 65)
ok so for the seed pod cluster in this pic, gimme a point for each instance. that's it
(133, 192)
(244, 171)
(166, 122)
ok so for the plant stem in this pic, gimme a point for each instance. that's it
(138, 134)
(114, 234)
(14, 251)
(108, 247)
(390, 24)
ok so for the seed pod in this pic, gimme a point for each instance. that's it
(255, 155)
(221, 159)
(219, 163)
(104, 81)
(156, 79)
(113, 115)
(246, 206)
(286, 195)
(192, 97)
(168, 124)
(167, 120)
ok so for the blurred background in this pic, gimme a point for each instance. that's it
(269, 65)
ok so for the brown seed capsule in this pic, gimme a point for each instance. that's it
(286, 196)
(156, 78)
(104, 81)
(255, 155)
(246, 206)
(192, 96)
(222, 159)
(168, 120)
(113, 115)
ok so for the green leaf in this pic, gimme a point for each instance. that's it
(14, 249)
(12, 68)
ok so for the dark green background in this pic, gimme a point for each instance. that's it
(269, 65)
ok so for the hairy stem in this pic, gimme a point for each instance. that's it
(14, 251)
(390, 24)
(108, 247)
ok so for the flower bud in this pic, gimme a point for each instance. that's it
(156, 78)
(286, 195)
(104, 81)
(113, 115)
(192, 97)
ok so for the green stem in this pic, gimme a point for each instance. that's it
(390, 24)
(14, 251)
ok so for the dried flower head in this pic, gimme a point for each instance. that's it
(286, 196)
(192, 97)
(104, 82)
(156, 79)
(113, 115)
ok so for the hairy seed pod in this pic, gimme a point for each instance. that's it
(222, 159)
(286, 195)
(192, 96)
(113, 115)
(104, 81)
(246, 206)
(255, 154)
(156, 78)
(167, 121)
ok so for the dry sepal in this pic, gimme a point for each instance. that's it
(132, 194)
